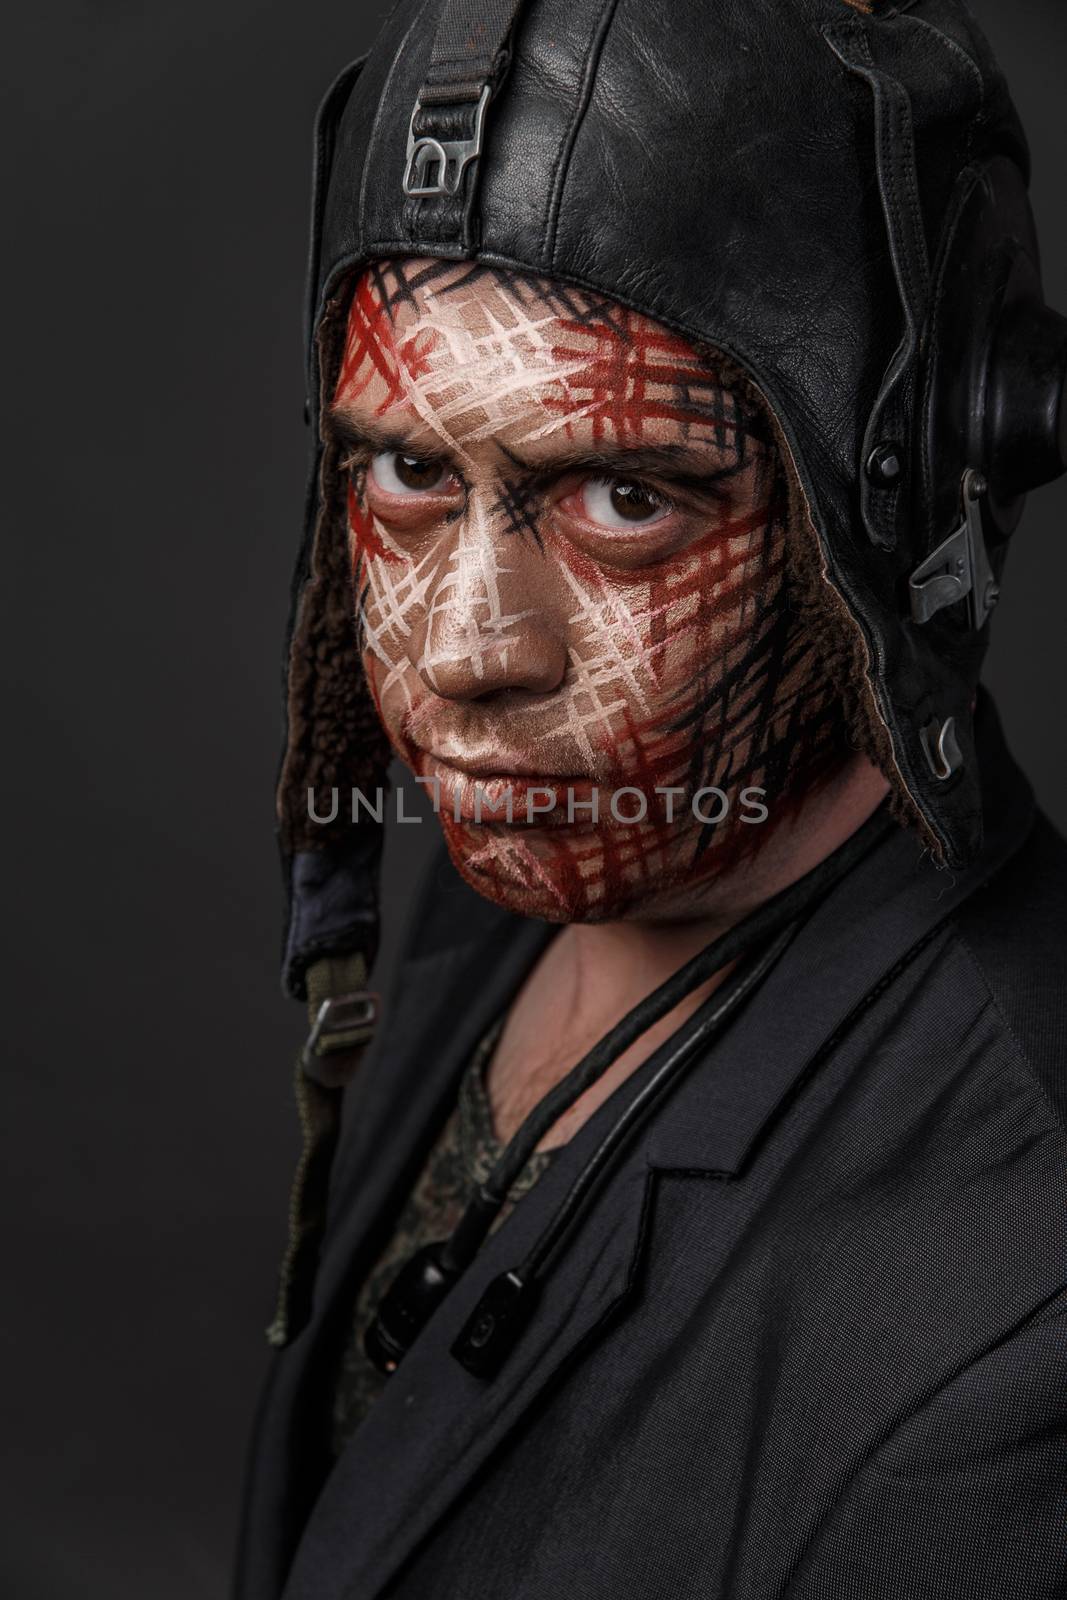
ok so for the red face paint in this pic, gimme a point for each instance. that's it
(568, 529)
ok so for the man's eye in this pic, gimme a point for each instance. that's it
(399, 474)
(622, 503)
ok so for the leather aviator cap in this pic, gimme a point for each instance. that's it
(830, 192)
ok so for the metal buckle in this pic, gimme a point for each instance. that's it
(959, 568)
(338, 1017)
(436, 166)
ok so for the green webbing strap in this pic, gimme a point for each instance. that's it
(471, 36)
(342, 1016)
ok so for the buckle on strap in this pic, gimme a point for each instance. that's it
(342, 1022)
(436, 166)
(959, 568)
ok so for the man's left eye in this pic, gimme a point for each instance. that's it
(399, 474)
(622, 503)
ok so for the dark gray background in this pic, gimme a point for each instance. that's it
(157, 163)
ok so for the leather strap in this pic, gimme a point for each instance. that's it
(468, 62)
(894, 143)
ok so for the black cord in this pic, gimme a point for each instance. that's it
(747, 935)
(419, 1288)
(505, 1307)
(704, 1025)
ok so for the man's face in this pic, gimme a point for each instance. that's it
(568, 531)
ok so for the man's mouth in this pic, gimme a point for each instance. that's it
(510, 799)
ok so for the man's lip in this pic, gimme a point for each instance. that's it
(505, 767)
(458, 786)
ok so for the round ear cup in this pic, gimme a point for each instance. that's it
(1026, 406)
(995, 360)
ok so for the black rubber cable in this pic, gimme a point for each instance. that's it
(702, 1027)
(762, 924)
(428, 1277)
(505, 1306)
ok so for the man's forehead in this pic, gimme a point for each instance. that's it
(485, 300)
(477, 352)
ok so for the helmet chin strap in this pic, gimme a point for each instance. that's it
(882, 492)
(342, 1014)
(755, 943)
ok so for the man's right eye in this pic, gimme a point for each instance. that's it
(398, 474)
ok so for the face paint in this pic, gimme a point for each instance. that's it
(569, 536)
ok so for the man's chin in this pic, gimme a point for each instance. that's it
(552, 873)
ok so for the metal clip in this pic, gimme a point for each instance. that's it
(942, 748)
(959, 568)
(436, 166)
(341, 1022)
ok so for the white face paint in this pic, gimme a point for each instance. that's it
(568, 534)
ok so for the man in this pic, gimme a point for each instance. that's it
(678, 374)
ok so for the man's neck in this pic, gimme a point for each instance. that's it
(592, 974)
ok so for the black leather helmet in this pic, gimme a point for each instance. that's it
(832, 192)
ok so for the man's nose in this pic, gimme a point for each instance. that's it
(487, 625)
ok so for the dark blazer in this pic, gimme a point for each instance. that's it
(811, 1338)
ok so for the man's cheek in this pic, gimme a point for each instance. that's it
(386, 600)
(612, 654)
(366, 538)
(390, 701)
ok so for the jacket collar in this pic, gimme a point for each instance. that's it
(435, 1424)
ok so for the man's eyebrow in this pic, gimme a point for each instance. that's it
(368, 434)
(689, 465)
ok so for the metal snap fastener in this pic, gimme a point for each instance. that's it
(482, 1331)
(885, 465)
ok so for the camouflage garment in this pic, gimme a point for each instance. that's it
(464, 1155)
